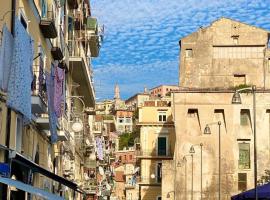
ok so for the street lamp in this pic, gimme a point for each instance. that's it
(236, 99)
(193, 150)
(207, 130)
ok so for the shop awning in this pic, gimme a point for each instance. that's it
(30, 189)
(36, 168)
(263, 193)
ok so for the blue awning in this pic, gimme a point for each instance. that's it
(263, 193)
(30, 189)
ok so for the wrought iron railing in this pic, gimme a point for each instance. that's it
(38, 85)
(154, 152)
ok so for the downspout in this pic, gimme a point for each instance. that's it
(8, 117)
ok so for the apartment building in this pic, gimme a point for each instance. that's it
(46, 111)
(157, 137)
(216, 61)
(163, 90)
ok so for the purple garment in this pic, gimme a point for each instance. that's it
(52, 115)
(21, 75)
(99, 148)
(59, 75)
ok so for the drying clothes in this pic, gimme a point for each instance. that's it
(21, 76)
(6, 51)
(99, 148)
(59, 75)
(52, 115)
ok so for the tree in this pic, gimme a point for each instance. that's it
(264, 178)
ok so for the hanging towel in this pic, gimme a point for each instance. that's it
(51, 112)
(21, 75)
(59, 75)
(6, 51)
(99, 148)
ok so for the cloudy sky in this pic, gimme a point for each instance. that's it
(141, 37)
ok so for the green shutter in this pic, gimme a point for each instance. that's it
(91, 23)
(162, 144)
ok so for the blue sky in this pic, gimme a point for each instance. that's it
(141, 37)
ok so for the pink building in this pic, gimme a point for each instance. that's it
(163, 90)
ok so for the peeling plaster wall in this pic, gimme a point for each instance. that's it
(232, 133)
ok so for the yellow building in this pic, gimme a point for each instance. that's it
(51, 159)
(157, 137)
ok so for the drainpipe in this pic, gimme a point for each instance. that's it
(8, 117)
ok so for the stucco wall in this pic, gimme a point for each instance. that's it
(213, 107)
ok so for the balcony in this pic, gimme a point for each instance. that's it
(149, 180)
(47, 25)
(43, 122)
(73, 4)
(89, 188)
(80, 68)
(155, 154)
(59, 46)
(130, 186)
(39, 96)
(63, 134)
(93, 35)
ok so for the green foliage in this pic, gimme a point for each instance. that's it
(127, 139)
(241, 86)
(265, 178)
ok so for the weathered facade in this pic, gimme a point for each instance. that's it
(223, 55)
(157, 140)
(216, 61)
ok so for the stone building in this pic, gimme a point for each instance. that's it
(215, 62)
(157, 140)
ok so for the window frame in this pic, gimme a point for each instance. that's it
(162, 116)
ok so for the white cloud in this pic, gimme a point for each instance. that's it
(141, 37)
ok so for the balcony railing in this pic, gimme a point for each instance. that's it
(38, 85)
(47, 24)
(154, 153)
(149, 180)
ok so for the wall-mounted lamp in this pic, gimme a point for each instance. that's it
(77, 125)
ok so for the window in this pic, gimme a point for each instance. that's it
(192, 112)
(130, 157)
(159, 172)
(43, 4)
(162, 116)
(235, 40)
(268, 64)
(244, 156)
(239, 79)
(189, 53)
(242, 181)
(162, 146)
(158, 198)
(121, 120)
(244, 117)
(128, 119)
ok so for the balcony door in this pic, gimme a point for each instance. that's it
(162, 146)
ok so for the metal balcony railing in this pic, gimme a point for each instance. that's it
(155, 153)
(38, 85)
